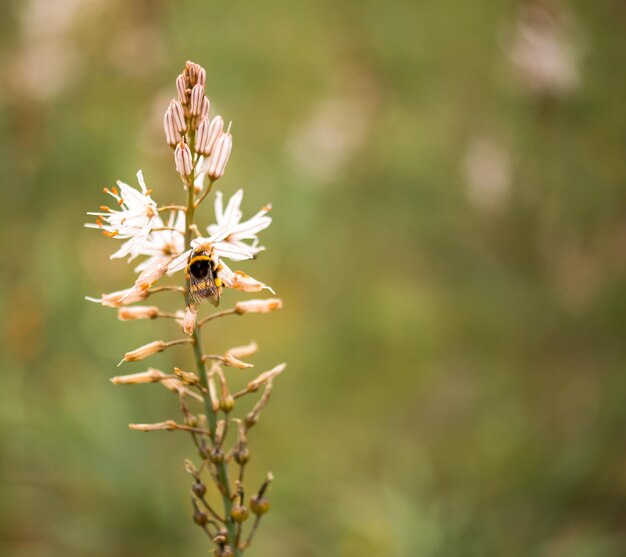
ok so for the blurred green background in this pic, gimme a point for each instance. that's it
(449, 239)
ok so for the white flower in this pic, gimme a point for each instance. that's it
(230, 219)
(133, 222)
(164, 242)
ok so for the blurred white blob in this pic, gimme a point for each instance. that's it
(487, 173)
(544, 53)
(323, 144)
(42, 71)
(47, 58)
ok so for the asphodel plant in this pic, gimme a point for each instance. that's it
(171, 246)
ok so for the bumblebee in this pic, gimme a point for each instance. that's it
(201, 274)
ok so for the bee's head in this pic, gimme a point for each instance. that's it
(200, 264)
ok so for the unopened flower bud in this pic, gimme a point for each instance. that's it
(197, 94)
(182, 158)
(258, 306)
(201, 76)
(181, 87)
(206, 106)
(137, 312)
(172, 135)
(189, 320)
(239, 513)
(202, 137)
(198, 488)
(207, 135)
(219, 156)
(192, 70)
(145, 351)
(178, 116)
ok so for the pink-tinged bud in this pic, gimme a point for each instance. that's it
(201, 77)
(137, 312)
(219, 156)
(178, 115)
(206, 106)
(181, 87)
(197, 94)
(207, 135)
(145, 351)
(189, 321)
(172, 135)
(258, 306)
(182, 158)
(202, 136)
(121, 297)
(191, 69)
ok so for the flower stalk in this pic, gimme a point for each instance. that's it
(170, 239)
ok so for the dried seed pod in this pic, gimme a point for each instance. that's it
(223, 551)
(259, 505)
(200, 517)
(239, 513)
(198, 488)
(217, 456)
(242, 455)
(227, 403)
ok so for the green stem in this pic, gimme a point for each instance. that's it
(222, 470)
